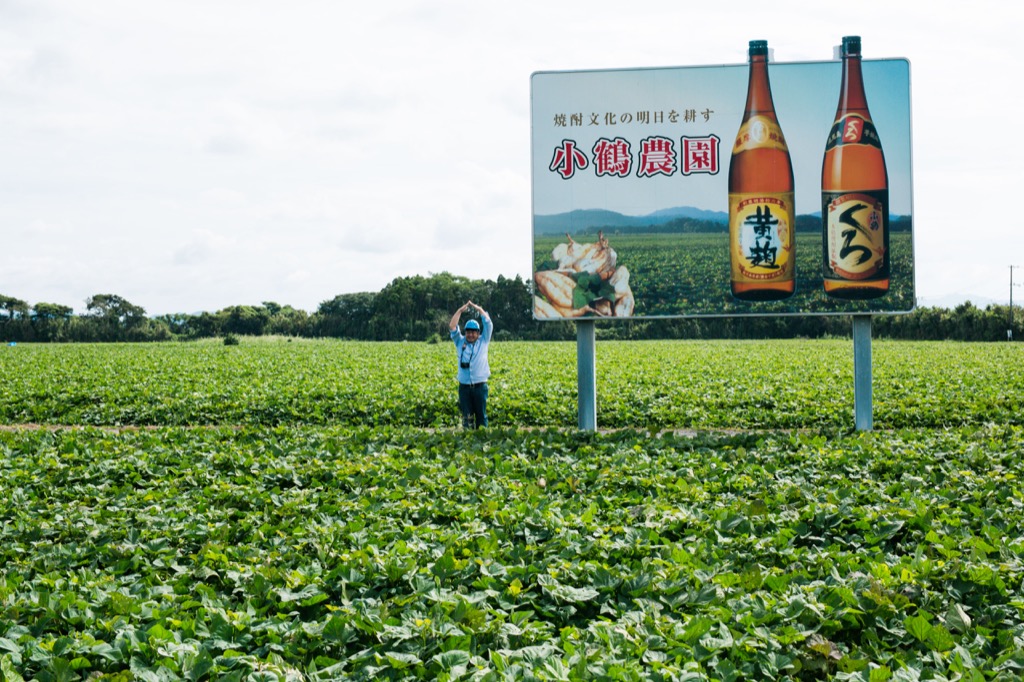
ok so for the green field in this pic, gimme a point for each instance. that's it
(644, 384)
(288, 510)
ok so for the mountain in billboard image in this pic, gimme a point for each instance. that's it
(680, 219)
(590, 220)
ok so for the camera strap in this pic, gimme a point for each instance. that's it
(472, 352)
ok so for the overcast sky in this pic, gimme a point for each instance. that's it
(190, 155)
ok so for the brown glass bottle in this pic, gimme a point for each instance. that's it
(854, 193)
(762, 250)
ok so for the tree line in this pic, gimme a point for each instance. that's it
(418, 308)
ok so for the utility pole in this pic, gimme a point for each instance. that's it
(1009, 332)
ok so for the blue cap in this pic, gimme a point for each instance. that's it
(473, 324)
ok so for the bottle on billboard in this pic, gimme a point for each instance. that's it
(854, 193)
(762, 214)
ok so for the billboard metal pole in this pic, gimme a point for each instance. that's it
(862, 372)
(586, 375)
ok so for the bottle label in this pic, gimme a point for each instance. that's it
(856, 234)
(761, 236)
(853, 129)
(759, 132)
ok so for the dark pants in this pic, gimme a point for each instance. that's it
(473, 404)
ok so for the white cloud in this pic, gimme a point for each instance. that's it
(226, 143)
(192, 155)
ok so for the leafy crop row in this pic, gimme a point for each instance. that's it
(327, 553)
(311, 534)
(651, 384)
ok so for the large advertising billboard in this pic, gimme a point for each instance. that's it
(662, 192)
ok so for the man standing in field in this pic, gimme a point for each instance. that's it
(474, 371)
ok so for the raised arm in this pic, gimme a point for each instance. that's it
(454, 323)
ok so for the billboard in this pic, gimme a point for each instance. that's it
(639, 212)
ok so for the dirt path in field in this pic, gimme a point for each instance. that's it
(116, 428)
(109, 427)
